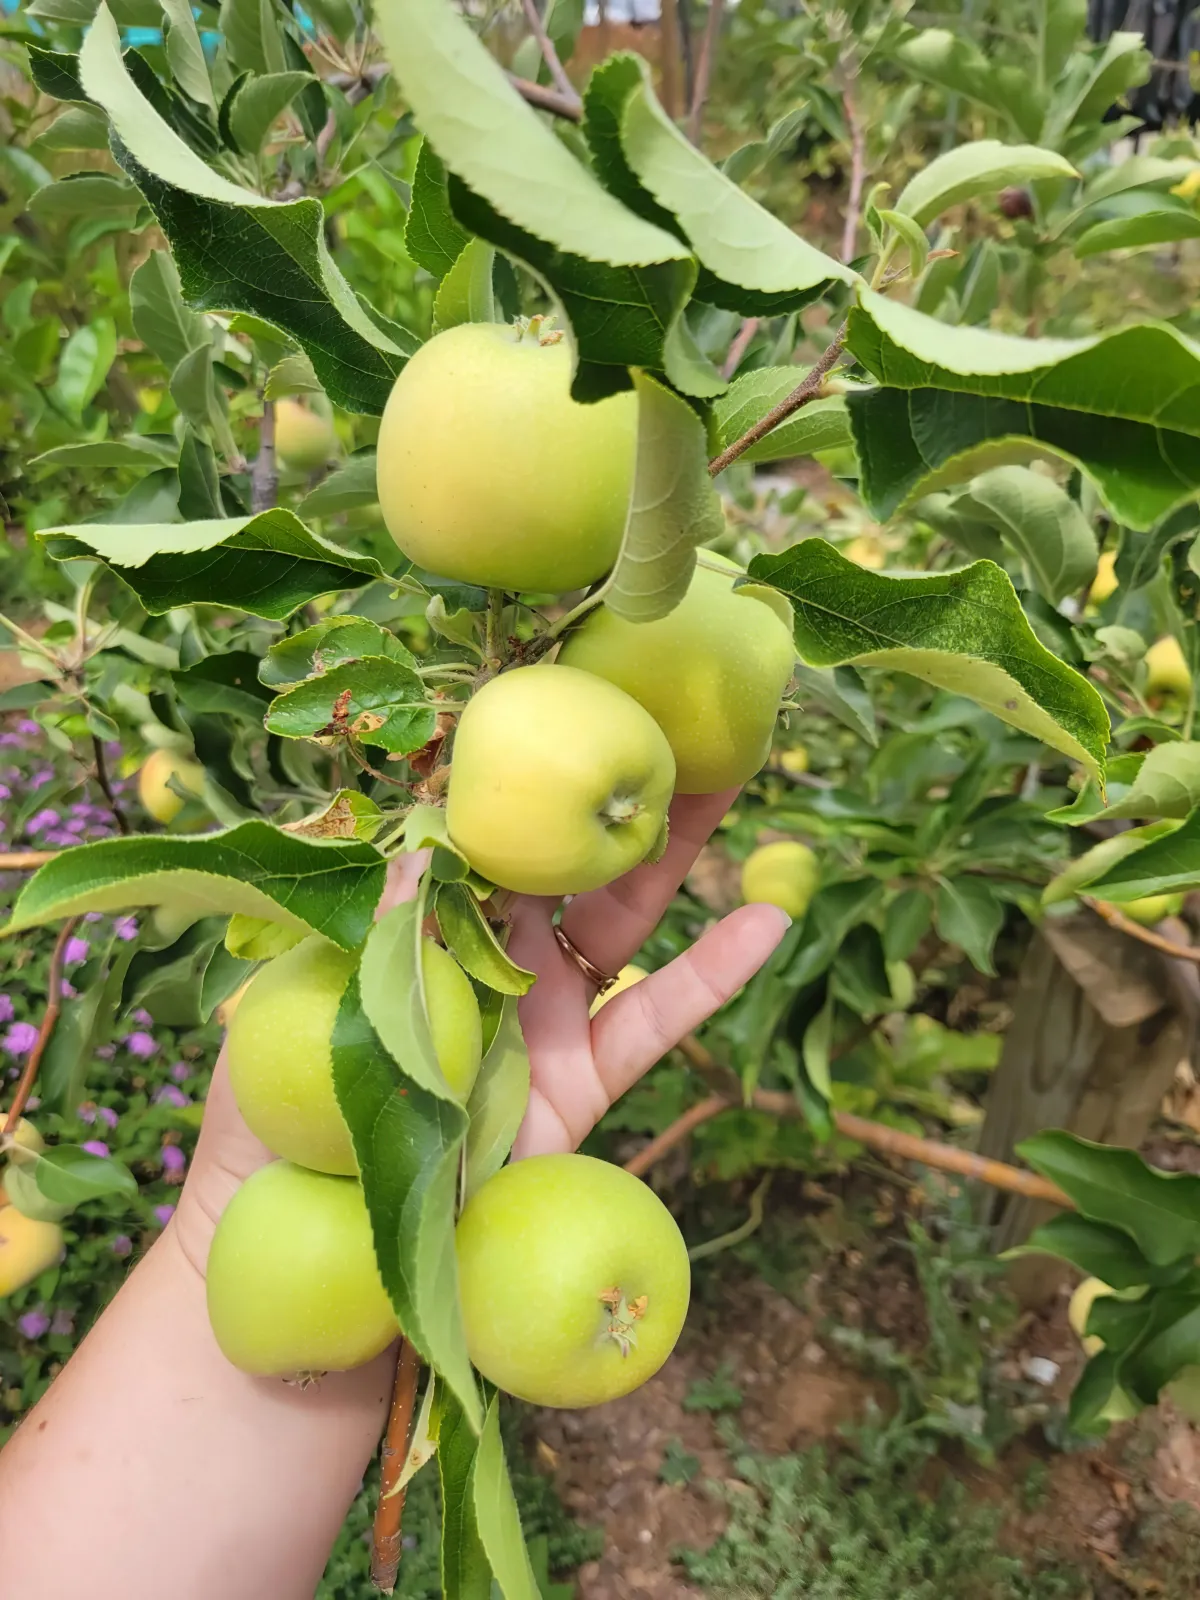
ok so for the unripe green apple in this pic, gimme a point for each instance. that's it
(304, 438)
(490, 473)
(574, 1280)
(163, 804)
(278, 1047)
(1151, 908)
(710, 673)
(1166, 670)
(626, 978)
(27, 1248)
(784, 874)
(293, 1288)
(794, 761)
(559, 781)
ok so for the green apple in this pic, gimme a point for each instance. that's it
(784, 874)
(1105, 583)
(1151, 908)
(710, 673)
(278, 1047)
(794, 761)
(293, 1288)
(157, 771)
(559, 781)
(574, 1280)
(1166, 670)
(304, 436)
(27, 1248)
(490, 473)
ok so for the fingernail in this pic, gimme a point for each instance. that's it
(787, 921)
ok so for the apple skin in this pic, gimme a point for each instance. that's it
(27, 1248)
(304, 439)
(785, 874)
(278, 1047)
(1166, 670)
(539, 1247)
(1151, 908)
(1121, 1405)
(163, 804)
(293, 1288)
(559, 781)
(710, 673)
(626, 978)
(490, 473)
(1104, 584)
(794, 761)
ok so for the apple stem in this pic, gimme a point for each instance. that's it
(619, 809)
(494, 639)
(623, 1317)
(386, 1546)
(49, 1018)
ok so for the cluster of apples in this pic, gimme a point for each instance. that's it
(573, 1276)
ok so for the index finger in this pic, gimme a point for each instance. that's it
(610, 925)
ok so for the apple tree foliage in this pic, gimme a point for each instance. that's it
(262, 635)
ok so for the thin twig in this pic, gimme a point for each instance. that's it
(549, 54)
(386, 1543)
(708, 50)
(494, 629)
(891, 1141)
(325, 138)
(858, 164)
(1112, 915)
(25, 860)
(49, 1018)
(106, 788)
(738, 346)
(264, 476)
(809, 389)
(547, 100)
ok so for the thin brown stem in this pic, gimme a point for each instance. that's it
(708, 51)
(49, 1018)
(670, 58)
(364, 765)
(494, 629)
(858, 168)
(264, 475)
(386, 1546)
(547, 99)
(1113, 916)
(891, 1141)
(549, 54)
(738, 346)
(106, 788)
(809, 389)
(25, 860)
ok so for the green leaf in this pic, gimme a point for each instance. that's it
(981, 167)
(1170, 1343)
(349, 815)
(465, 1571)
(407, 1144)
(80, 127)
(292, 375)
(750, 158)
(820, 425)
(818, 1038)
(223, 686)
(753, 263)
(498, 1100)
(133, 451)
(432, 236)
(465, 294)
(345, 489)
(1159, 1211)
(185, 53)
(1167, 783)
(69, 1176)
(252, 34)
(1156, 224)
(1090, 1397)
(954, 63)
(258, 103)
(469, 936)
(841, 694)
(379, 700)
(328, 644)
(253, 939)
(1042, 524)
(238, 251)
(912, 235)
(496, 1514)
(1161, 866)
(963, 631)
(425, 829)
(1094, 863)
(674, 507)
(331, 889)
(1094, 81)
(393, 997)
(1125, 405)
(906, 923)
(56, 72)
(85, 194)
(1101, 1251)
(160, 319)
(268, 565)
(83, 365)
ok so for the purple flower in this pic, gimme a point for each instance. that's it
(39, 779)
(29, 727)
(10, 741)
(106, 1051)
(125, 928)
(63, 1322)
(142, 1045)
(74, 825)
(122, 1245)
(181, 1072)
(163, 1215)
(93, 916)
(5, 792)
(107, 1116)
(95, 1147)
(174, 1161)
(76, 951)
(34, 1324)
(86, 1112)
(68, 989)
(142, 1018)
(169, 1095)
(41, 820)
(6, 1008)
(20, 1039)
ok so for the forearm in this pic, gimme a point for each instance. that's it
(153, 1466)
